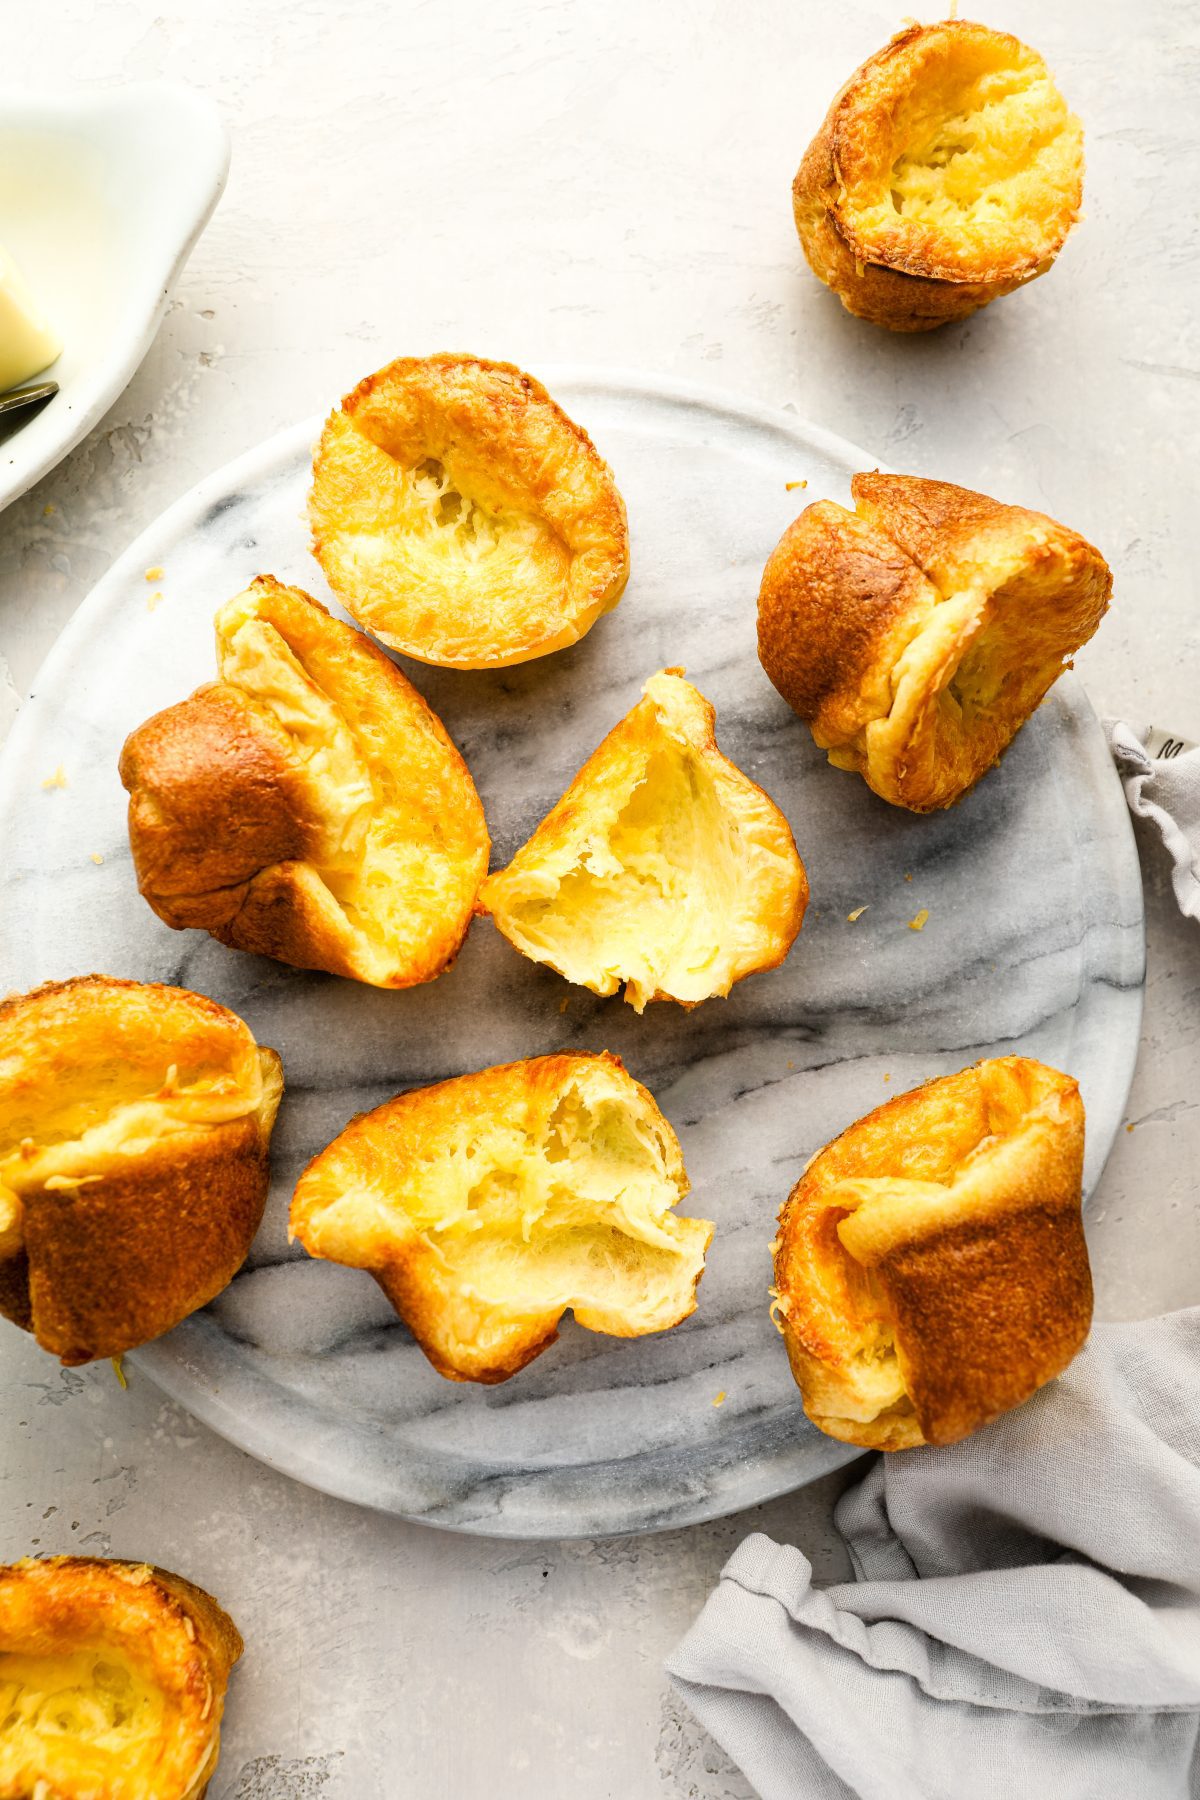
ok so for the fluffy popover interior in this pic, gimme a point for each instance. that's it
(489, 1205)
(948, 171)
(931, 1270)
(917, 633)
(462, 517)
(662, 867)
(112, 1681)
(134, 1126)
(308, 806)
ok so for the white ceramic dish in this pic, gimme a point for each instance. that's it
(102, 196)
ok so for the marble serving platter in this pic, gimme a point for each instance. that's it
(1033, 943)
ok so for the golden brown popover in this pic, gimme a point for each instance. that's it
(309, 805)
(134, 1127)
(461, 516)
(486, 1206)
(917, 633)
(930, 1269)
(948, 172)
(112, 1681)
(662, 866)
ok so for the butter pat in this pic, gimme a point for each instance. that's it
(28, 342)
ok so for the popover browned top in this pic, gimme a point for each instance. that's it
(930, 1269)
(461, 516)
(947, 172)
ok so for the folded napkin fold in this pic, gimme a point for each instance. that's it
(1026, 1618)
(1161, 777)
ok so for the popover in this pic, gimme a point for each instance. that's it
(112, 1681)
(917, 633)
(662, 866)
(930, 1269)
(462, 517)
(134, 1127)
(488, 1205)
(309, 805)
(948, 172)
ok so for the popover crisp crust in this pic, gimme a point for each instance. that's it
(487, 1206)
(917, 633)
(134, 1128)
(663, 866)
(309, 806)
(930, 1269)
(112, 1681)
(461, 516)
(948, 172)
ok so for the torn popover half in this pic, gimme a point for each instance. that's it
(309, 805)
(662, 866)
(488, 1205)
(917, 633)
(948, 172)
(461, 516)
(112, 1681)
(930, 1269)
(134, 1128)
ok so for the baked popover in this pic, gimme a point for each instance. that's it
(917, 633)
(461, 516)
(662, 866)
(134, 1127)
(488, 1205)
(948, 172)
(309, 805)
(930, 1269)
(112, 1681)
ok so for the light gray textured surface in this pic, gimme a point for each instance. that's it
(303, 1362)
(602, 183)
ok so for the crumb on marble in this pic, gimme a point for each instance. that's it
(886, 1075)
(908, 878)
(852, 918)
(57, 780)
(719, 1399)
(1130, 1125)
(156, 573)
(791, 1064)
(118, 1371)
(791, 486)
(97, 858)
(564, 1003)
(47, 511)
(153, 600)
(921, 920)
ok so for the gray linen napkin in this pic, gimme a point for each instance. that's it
(1161, 777)
(1026, 1620)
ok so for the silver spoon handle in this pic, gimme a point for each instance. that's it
(16, 398)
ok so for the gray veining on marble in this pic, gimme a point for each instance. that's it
(1033, 942)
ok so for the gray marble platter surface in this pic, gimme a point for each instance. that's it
(1034, 943)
